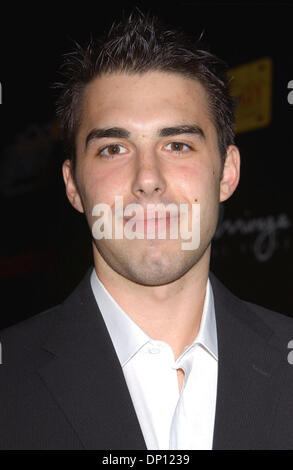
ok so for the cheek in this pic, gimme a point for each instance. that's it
(200, 185)
(185, 177)
(100, 185)
(194, 182)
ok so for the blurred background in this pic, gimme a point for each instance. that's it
(45, 244)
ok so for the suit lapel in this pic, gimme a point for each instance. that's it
(250, 369)
(86, 379)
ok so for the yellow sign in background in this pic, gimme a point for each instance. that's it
(252, 84)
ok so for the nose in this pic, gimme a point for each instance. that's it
(149, 180)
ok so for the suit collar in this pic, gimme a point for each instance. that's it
(84, 375)
(250, 368)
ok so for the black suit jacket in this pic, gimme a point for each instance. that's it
(62, 386)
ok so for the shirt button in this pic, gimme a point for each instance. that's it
(154, 350)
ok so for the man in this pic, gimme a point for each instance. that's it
(150, 351)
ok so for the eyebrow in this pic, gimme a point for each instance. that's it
(121, 133)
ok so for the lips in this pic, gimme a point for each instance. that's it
(150, 224)
(147, 218)
(147, 215)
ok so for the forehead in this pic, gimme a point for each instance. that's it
(144, 100)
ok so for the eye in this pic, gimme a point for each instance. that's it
(178, 147)
(111, 150)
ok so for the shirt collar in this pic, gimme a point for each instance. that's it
(207, 335)
(127, 337)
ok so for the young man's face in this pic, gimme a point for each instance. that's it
(146, 166)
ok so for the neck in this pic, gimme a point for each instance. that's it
(170, 313)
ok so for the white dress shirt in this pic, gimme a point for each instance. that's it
(168, 419)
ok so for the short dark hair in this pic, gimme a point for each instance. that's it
(141, 43)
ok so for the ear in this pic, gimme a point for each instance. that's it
(231, 173)
(71, 187)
